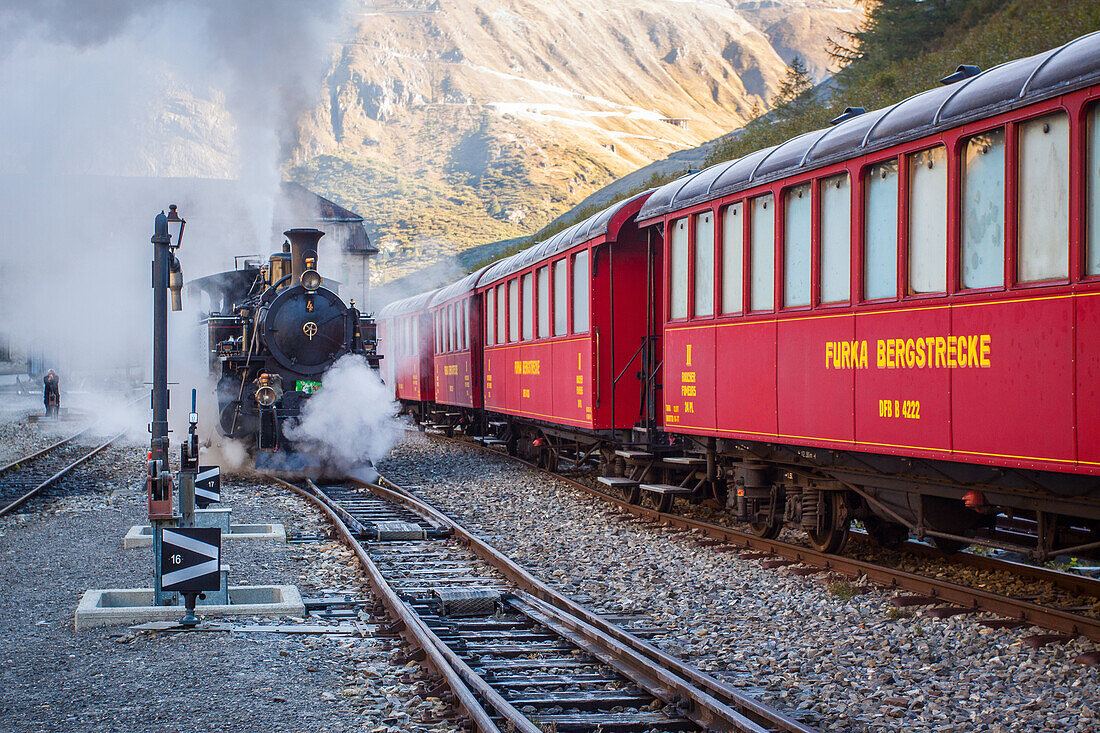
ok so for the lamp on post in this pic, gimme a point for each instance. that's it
(167, 278)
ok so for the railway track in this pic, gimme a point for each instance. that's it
(937, 597)
(516, 654)
(32, 474)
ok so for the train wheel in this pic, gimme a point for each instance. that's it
(834, 521)
(634, 494)
(884, 533)
(768, 531)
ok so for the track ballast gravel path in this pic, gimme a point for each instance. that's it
(842, 663)
(114, 679)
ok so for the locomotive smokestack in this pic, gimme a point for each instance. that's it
(303, 244)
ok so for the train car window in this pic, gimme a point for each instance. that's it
(449, 329)
(466, 324)
(1043, 203)
(927, 222)
(704, 264)
(983, 211)
(438, 327)
(502, 314)
(1092, 198)
(446, 323)
(414, 328)
(762, 254)
(836, 238)
(561, 302)
(580, 292)
(797, 212)
(733, 252)
(452, 327)
(543, 277)
(513, 310)
(490, 320)
(528, 308)
(678, 270)
(880, 253)
(448, 335)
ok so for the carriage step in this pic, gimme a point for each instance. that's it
(498, 423)
(617, 482)
(492, 441)
(633, 454)
(452, 414)
(664, 489)
(686, 460)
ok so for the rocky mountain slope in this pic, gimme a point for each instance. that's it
(452, 123)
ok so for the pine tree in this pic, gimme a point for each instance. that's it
(795, 91)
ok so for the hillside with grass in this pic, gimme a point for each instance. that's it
(898, 49)
(455, 124)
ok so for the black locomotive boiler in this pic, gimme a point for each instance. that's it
(274, 329)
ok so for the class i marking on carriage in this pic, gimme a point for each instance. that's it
(689, 389)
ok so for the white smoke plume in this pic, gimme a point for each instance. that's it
(350, 421)
(111, 110)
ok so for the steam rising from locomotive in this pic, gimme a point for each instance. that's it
(275, 330)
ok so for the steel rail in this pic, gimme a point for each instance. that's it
(12, 506)
(28, 458)
(712, 702)
(412, 626)
(972, 599)
(1072, 582)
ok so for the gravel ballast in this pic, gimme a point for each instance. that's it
(116, 679)
(834, 659)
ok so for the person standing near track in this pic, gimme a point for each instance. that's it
(51, 393)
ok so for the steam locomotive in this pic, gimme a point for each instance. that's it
(274, 328)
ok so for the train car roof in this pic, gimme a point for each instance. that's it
(408, 305)
(594, 226)
(1002, 88)
(456, 289)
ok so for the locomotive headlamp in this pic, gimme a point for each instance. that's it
(269, 388)
(311, 280)
(266, 396)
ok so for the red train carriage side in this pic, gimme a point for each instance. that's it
(456, 321)
(898, 317)
(407, 328)
(566, 325)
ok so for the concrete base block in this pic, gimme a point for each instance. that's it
(115, 606)
(142, 535)
(213, 517)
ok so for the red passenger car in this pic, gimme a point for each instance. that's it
(565, 329)
(898, 318)
(408, 339)
(456, 320)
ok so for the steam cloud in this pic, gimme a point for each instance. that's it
(111, 110)
(349, 421)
